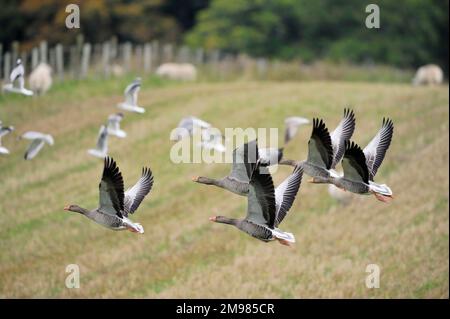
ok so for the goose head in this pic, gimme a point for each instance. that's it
(75, 208)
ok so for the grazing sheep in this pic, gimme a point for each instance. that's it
(41, 79)
(429, 74)
(177, 71)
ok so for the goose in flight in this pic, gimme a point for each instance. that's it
(131, 98)
(361, 166)
(292, 125)
(17, 80)
(114, 125)
(115, 204)
(244, 160)
(101, 149)
(212, 139)
(326, 150)
(38, 140)
(186, 127)
(267, 206)
(4, 130)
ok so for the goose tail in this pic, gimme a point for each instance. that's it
(283, 237)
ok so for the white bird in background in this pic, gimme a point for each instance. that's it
(186, 127)
(292, 124)
(17, 80)
(340, 195)
(131, 97)
(101, 149)
(4, 130)
(37, 143)
(212, 140)
(114, 125)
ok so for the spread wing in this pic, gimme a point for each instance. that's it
(261, 199)
(292, 125)
(342, 133)
(17, 73)
(102, 140)
(111, 189)
(244, 161)
(376, 149)
(354, 163)
(320, 150)
(131, 93)
(34, 148)
(285, 193)
(135, 194)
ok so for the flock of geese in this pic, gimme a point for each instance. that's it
(267, 205)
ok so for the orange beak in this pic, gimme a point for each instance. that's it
(311, 180)
(67, 207)
(212, 219)
(195, 178)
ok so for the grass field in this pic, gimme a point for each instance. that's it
(182, 254)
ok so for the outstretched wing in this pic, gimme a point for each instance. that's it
(102, 140)
(376, 149)
(111, 189)
(34, 148)
(261, 207)
(131, 93)
(320, 150)
(244, 161)
(17, 73)
(292, 125)
(135, 194)
(342, 133)
(285, 193)
(354, 163)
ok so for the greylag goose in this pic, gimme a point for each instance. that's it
(131, 98)
(267, 207)
(38, 140)
(186, 127)
(4, 130)
(101, 149)
(292, 125)
(244, 160)
(115, 204)
(360, 166)
(325, 150)
(114, 125)
(17, 80)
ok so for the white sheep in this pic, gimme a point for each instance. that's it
(429, 74)
(177, 71)
(41, 79)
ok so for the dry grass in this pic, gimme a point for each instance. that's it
(182, 254)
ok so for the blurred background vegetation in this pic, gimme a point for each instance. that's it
(412, 33)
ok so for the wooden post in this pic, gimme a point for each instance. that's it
(156, 54)
(15, 51)
(147, 57)
(7, 67)
(23, 57)
(105, 59)
(113, 48)
(168, 53)
(59, 61)
(138, 58)
(199, 56)
(1, 60)
(73, 61)
(85, 58)
(52, 58)
(127, 56)
(34, 58)
(43, 49)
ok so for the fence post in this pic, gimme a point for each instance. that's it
(15, 51)
(43, 49)
(156, 53)
(85, 58)
(147, 57)
(24, 58)
(105, 59)
(52, 58)
(59, 61)
(138, 58)
(7, 67)
(126, 56)
(34, 58)
(199, 56)
(168, 53)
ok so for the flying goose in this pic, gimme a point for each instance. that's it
(38, 140)
(17, 80)
(361, 166)
(131, 97)
(115, 204)
(244, 160)
(101, 149)
(267, 207)
(212, 140)
(292, 125)
(325, 150)
(114, 125)
(4, 130)
(186, 127)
